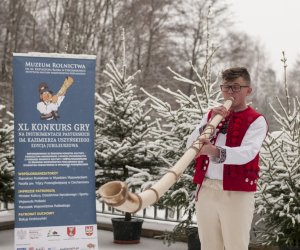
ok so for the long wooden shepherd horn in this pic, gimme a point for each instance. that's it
(116, 194)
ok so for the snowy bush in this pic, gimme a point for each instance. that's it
(175, 127)
(123, 125)
(6, 157)
(278, 197)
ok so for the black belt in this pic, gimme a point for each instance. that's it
(53, 114)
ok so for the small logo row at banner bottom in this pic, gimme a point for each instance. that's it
(74, 237)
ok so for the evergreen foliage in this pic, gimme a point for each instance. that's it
(278, 198)
(123, 125)
(176, 125)
(6, 158)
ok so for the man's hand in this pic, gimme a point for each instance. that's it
(221, 110)
(208, 149)
(54, 99)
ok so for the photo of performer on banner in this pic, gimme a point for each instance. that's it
(49, 103)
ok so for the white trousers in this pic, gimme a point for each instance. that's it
(224, 217)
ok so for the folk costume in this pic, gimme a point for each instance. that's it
(48, 109)
(225, 186)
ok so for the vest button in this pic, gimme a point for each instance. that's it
(204, 168)
(251, 182)
(206, 162)
(246, 180)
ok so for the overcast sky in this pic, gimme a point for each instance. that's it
(275, 22)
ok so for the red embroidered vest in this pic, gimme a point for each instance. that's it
(235, 177)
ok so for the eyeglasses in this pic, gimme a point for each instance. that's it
(234, 88)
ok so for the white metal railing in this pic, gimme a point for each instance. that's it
(152, 212)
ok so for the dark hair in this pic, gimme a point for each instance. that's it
(233, 73)
(43, 87)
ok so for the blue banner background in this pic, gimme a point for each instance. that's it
(77, 108)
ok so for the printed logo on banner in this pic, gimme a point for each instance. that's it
(91, 246)
(35, 234)
(51, 248)
(31, 248)
(39, 248)
(52, 233)
(71, 231)
(89, 230)
(21, 234)
(23, 248)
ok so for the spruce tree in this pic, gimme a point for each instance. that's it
(123, 125)
(6, 157)
(278, 197)
(176, 125)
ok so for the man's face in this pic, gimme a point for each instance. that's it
(238, 89)
(46, 96)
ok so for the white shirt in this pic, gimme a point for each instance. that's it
(246, 152)
(48, 107)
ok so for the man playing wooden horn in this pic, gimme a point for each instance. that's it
(49, 103)
(226, 169)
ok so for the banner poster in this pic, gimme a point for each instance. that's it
(54, 152)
